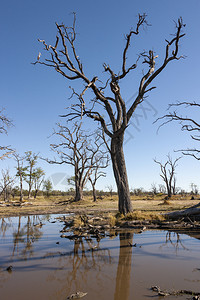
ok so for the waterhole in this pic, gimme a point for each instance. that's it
(39, 261)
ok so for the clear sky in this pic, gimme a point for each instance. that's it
(35, 96)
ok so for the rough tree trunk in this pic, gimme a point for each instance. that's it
(120, 173)
(169, 194)
(78, 193)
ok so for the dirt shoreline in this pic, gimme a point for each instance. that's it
(15, 211)
(65, 205)
(154, 209)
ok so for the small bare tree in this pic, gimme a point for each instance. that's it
(6, 184)
(162, 188)
(154, 188)
(187, 124)
(106, 104)
(194, 189)
(97, 173)
(80, 151)
(110, 190)
(168, 174)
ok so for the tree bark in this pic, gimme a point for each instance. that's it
(120, 173)
(94, 193)
(78, 193)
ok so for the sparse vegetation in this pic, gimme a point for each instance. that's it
(58, 203)
(143, 215)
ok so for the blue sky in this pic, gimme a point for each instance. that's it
(35, 96)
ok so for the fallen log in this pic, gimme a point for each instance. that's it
(188, 212)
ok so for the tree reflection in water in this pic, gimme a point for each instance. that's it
(25, 236)
(122, 287)
(5, 225)
(87, 265)
(174, 239)
(80, 266)
(83, 260)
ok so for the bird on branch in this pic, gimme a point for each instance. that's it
(39, 54)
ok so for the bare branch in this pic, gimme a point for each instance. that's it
(186, 123)
(150, 60)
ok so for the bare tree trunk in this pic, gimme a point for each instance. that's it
(120, 173)
(79, 193)
(5, 195)
(93, 183)
(94, 193)
(29, 191)
(35, 195)
(169, 192)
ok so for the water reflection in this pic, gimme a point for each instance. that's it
(174, 239)
(27, 234)
(106, 265)
(122, 286)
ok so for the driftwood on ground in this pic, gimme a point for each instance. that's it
(191, 211)
(165, 293)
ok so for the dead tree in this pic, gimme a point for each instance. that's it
(187, 124)
(6, 184)
(154, 188)
(110, 190)
(168, 174)
(5, 124)
(78, 150)
(97, 173)
(162, 188)
(107, 102)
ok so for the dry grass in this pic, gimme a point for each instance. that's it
(142, 215)
(143, 207)
(112, 220)
(78, 222)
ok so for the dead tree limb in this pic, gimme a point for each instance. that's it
(188, 124)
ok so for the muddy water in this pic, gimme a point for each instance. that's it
(46, 266)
